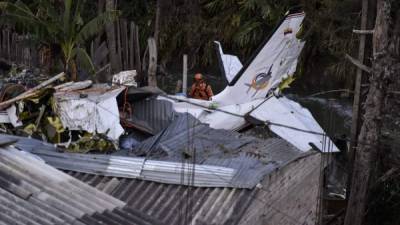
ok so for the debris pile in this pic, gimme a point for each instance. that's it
(78, 116)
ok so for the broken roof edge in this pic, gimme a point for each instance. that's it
(168, 172)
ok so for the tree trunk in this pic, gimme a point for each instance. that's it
(73, 70)
(111, 42)
(385, 66)
(152, 81)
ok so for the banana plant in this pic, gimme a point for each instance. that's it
(55, 24)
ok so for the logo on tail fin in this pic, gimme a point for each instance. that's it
(260, 81)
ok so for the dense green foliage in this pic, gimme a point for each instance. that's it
(329, 37)
(190, 27)
(58, 26)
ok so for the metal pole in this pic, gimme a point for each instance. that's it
(184, 78)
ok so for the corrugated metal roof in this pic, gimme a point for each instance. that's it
(186, 138)
(133, 167)
(186, 133)
(32, 192)
(176, 204)
(287, 196)
(153, 114)
(243, 167)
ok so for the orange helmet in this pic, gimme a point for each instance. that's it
(198, 76)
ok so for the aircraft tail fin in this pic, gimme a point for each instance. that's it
(275, 61)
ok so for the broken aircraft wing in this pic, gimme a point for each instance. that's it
(283, 114)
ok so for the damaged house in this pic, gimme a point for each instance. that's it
(100, 154)
(189, 173)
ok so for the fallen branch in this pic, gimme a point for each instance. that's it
(331, 91)
(363, 31)
(358, 64)
(102, 69)
(31, 92)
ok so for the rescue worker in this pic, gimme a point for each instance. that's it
(200, 89)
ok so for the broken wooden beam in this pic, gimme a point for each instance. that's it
(31, 92)
(74, 86)
(359, 64)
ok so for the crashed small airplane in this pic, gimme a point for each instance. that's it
(253, 94)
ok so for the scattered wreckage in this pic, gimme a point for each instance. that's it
(79, 117)
(140, 137)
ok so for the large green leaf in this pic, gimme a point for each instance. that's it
(96, 25)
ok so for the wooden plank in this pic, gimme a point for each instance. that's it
(35, 57)
(138, 61)
(124, 44)
(16, 48)
(8, 44)
(184, 78)
(126, 26)
(11, 47)
(152, 81)
(119, 53)
(73, 86)
(131, 44)
(111, 42)
(2, 43)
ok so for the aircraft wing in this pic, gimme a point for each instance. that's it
(230, 64)
(286, 115)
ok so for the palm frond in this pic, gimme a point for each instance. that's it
(77, 21)
(19, 13)
(67, 15)
(96, 25)
(23, 7)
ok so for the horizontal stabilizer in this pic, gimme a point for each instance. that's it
(230, 64)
